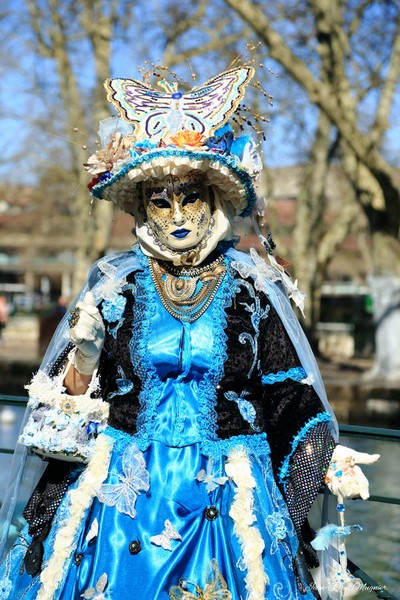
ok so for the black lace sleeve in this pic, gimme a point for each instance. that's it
(296, 425)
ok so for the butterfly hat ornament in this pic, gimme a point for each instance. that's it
(165, 133)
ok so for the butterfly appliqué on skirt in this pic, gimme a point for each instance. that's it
(215, 588)
(208, 478)
(97, 593)
(133, 480)
(164, 539)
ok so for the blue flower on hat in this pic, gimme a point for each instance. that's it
(222, 142)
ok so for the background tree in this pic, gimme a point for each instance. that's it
(68, 33)
(76, 38)
(340, 57)
(336, 101)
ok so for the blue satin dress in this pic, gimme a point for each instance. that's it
(179, 497)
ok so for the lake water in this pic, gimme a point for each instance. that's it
(375, 550)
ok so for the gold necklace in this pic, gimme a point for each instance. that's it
(190, 271)
(180, 294)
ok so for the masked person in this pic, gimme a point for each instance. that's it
(181, 378)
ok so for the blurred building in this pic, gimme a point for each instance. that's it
(37, 248)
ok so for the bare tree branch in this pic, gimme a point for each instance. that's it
(388, 91)
(320, 94)
(37, 20)
(174, 58)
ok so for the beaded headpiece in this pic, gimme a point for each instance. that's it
(160, 133)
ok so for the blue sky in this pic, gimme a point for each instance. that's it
(32, 127)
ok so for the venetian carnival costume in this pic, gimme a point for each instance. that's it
(188, 467)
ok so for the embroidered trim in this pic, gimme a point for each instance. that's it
(80, 499)
(207, 394)
(256, 445)
(257, 315)
(121, 439)
(246, 409)
(300, 437)
(180, 415)
(124, 439)
(238, 468)
(296, 373)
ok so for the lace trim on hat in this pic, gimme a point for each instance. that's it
(220, 160)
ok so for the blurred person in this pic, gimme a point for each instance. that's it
(49, 323)
(4, 314)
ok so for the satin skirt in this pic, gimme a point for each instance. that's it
(180, 539)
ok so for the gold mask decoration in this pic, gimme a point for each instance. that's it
(178, 211)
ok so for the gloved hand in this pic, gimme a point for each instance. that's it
(87, 334)
(344, 478)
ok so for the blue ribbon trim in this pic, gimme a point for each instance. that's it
(296, 374)
(256, 445)
(323, 417)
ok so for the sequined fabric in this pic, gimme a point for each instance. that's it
(307, 468)
(41, 508)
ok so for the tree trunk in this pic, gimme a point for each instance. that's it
(385, 291)
(309, 227)
(337, 95)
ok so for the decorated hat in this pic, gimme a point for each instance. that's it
(161, 133)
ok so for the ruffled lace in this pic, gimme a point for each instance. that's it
(149, 397)
(207, 387)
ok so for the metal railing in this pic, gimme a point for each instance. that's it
(355, 431)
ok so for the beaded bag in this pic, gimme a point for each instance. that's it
(60, 425)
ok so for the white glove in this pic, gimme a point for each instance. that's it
(87, 334)
(344, 478)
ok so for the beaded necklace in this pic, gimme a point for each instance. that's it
(186, 293)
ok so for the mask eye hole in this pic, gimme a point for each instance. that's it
(160, 202)
(191, 198)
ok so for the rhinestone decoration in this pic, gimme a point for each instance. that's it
(135, 547)
(211, 513)
(305, 476)
(73, 317)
